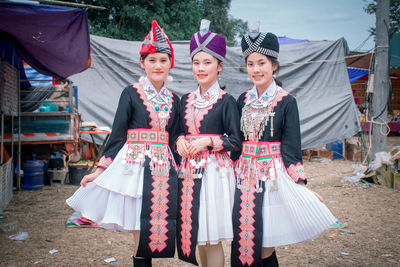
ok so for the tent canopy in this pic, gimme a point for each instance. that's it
(53, 40)
(314, 72)
(286, 40)
(356, 73)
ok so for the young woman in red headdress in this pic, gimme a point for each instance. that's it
(134, 187)
(210, 123)
(272, 205)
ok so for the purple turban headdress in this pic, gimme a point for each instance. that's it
(209, 42)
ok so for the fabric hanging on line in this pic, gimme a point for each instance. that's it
(60, 49)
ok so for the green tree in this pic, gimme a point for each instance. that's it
(394, 23)
(131, 19)
(221, 22)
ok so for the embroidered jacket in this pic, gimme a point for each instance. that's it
(220, 118)
(286, 127)
(132, 113)
(214, 114)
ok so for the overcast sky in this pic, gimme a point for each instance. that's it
(310, 19)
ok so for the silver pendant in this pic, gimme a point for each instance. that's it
(163, 114)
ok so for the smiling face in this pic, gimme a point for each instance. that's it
(156, 66)
(260, 70)
(205, 69)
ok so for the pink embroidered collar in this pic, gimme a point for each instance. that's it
(152, 94)
(209, 94)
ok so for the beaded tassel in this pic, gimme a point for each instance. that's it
(272, 114)
(254, 128)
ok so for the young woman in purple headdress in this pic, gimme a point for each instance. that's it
(134, 187)
(210, 123)
(272, 205)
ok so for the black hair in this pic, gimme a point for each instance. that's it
(223, 87)
(274, 60)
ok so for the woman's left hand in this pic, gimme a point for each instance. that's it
(318, 196)
(301, 182)
(198, 145)
(182, 146)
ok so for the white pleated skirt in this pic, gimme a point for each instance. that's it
(293, 213)
(216, 204)
(114, 199)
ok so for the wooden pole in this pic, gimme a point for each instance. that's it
(63, 3)
(381, 79)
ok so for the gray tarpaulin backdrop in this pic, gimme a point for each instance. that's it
(314, 72)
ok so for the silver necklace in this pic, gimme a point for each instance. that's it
(203, 102)
(255, 118)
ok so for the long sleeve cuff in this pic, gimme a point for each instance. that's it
(217, 143)
(297, 172)
(104, 162)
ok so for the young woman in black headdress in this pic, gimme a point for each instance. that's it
(272, 205)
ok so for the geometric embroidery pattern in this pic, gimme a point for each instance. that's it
(186, 214)
(156, 122)
(189, 114)
(147, 135)
(246, 236)
(296, 172)
(135, 153)
(152, 143)
(217, 143)
(257, 163)
(159, 213)
(104, 162)
(193, 121)
(279, 94)
(194, 165)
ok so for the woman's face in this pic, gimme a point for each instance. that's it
(156, 66)
(260, 69)
(205, 69)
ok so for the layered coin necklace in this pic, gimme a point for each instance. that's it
(205, 101)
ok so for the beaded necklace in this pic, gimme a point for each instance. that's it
(205, 101)
(161, 103)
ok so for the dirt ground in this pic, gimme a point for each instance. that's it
(370, 236)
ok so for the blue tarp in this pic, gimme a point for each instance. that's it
(356, 73)
(286, 40)
(53, 40)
